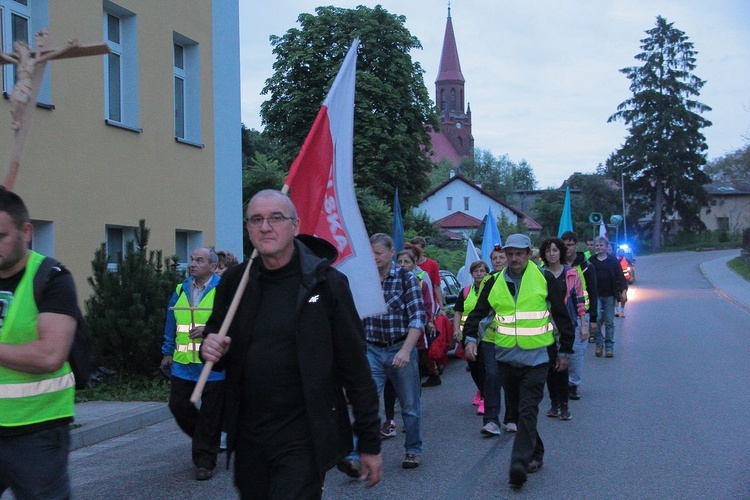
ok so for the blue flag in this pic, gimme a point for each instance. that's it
(491, 237)
(566, 219)
(398, 225)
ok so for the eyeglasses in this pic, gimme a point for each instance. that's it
(256, 221)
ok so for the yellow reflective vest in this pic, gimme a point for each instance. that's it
(186, 350)
(524, 322)
(31, 398)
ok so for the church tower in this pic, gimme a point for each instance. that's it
(455, 119)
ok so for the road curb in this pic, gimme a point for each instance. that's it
(102, 429)
(707, 274)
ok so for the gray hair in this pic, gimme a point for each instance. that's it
(383, 239)
(601, 239)
(269, 193)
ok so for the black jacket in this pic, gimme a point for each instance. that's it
(590, 276)
(331, 351)
(612, 265)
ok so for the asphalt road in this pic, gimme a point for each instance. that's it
(667, 417)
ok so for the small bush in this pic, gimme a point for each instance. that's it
(127, 310)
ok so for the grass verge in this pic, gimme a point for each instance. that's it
(126, 388)
(739, 266)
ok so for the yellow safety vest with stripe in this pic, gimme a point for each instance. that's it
(31, 398)
(186, 350)
(524, 322)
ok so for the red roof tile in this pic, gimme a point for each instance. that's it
(458, 219)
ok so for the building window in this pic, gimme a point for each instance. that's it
(453, 99)
(43, 239)
(449, 199)
(117, 241)
(184, 243)
(442, 99)
(466, 202)
(19, 19)
(120, 67)
(187, 99)
(722, 223)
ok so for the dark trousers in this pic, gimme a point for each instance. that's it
(35, 465)
(389, 400)
(202, 425)
(493, 390)
(282, 471)
(528, 383)
(477, 370)
(557, 385)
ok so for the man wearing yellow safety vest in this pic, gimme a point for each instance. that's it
(37, 386)
(187, 314)
(520, 299)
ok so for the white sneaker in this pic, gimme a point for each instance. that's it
(491, 429)
(223, 443)
(511, 427)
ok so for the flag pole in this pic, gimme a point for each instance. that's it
(233, 306)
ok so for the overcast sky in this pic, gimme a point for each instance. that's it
(542, 76)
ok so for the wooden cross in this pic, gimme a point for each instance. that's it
(30, 65)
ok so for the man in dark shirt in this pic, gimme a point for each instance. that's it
(611, 287)
(296, 341)
(37, 386)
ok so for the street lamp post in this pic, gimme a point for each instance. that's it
(624, 216)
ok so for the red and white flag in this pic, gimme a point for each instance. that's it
(321, 183)
(603, 230)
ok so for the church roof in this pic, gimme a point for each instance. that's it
(443, 149)
(450, 67)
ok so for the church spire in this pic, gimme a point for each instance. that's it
(450, 67)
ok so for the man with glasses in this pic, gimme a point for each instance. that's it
(296, 344)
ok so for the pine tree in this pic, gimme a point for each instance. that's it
(665, 150)
(127, 310)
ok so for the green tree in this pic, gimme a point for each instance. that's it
(127, 309)
(257, 142)
(499, 176)
(665, 149)
(733, 166)
(393, 110)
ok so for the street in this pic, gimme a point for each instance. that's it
(667, 417)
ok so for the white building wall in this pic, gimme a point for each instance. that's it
(437, 205)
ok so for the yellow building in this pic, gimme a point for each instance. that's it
(151, 131)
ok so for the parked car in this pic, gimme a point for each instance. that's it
(450, 287)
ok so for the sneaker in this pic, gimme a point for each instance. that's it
(203, 473)
(511, 427)
(490, 429)
(564, 412)
(573, 393)
(598, 352)
(351, 467)
(480, 409)
(592, 339)
(388, 430)
(477, 399)
(617, 314)
(411, 461)
(534, 465)
(622, 314)
(610, 354)
(432, 381)
(517, 475)
(223, 442)
(554, 410)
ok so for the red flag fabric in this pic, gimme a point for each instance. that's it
(321, 184)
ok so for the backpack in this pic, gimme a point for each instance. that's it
(81, 357)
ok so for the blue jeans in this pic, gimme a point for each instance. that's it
(575, 364)
(408, 389)
(605, 336)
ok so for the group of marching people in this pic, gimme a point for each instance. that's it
(515, 347)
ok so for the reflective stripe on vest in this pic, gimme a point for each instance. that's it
(30, 389)
(187, 349)
(31, 398)
(583, 284)
(524, 322)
